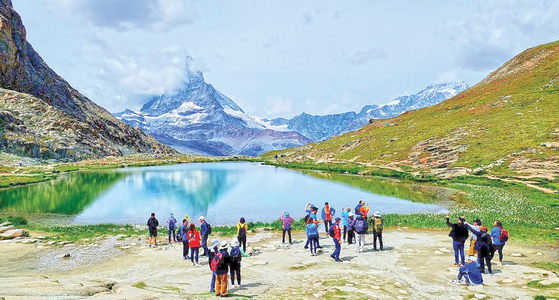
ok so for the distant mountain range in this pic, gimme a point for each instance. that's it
(42, 116)
(318, 128)
(198, 119)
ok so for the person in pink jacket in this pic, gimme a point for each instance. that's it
(287, 220)
(194, 243)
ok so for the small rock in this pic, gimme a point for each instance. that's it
(398, 284)
(260, 263)
(51, 242)
(66, 255)
(375, 287)
(5, 224)
(332, 290)
(318, 295)
(516, 254)
(125, 247)
(349, 284)
(403, 292)
(444, 250)
(480, 296)
(508, 280)
(6, 228)
(438, 252)
(539, 253)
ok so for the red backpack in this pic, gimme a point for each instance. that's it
(216, 261)
(504, 235)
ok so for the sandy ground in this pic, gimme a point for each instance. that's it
(415, 265)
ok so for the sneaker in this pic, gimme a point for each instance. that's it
(500, 263)
(238, 286)
(184, 257)
(332, 256)
(339, 260)
(193, 264)
(456, 265)
(306, 247)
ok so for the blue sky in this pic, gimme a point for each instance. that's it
(281, 58)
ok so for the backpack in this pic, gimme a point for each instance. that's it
(216, 261)
(236, 253)
(179, 235)
(243, 230)
(504, 235)
(152, 223)
(358, 209)
(378, 225)
(332, 232)
(360, 226)
(209, 228)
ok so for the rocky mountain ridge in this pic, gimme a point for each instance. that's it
(198, 119)
(319, 128)
(44, 117)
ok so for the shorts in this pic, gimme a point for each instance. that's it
(152, 232)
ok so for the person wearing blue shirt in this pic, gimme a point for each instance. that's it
(204, 233)
(495, 235)
(345, 216)
(469, 272)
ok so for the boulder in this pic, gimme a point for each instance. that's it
(13, 233)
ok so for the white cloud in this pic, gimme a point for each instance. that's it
(498, 30)
(278, 105)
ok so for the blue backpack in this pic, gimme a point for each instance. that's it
(236, 253)
(360, 226)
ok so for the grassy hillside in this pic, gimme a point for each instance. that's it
(507, 125)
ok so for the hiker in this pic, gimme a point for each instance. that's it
(359, 225)
(171, 226)
(242, 229)
(335, 234)
(364, 210)
(470, 272)
(222, 269)
(211, 254)
(327, 214)
(472, 251)
(378, 226)
(500, 237)
(484, 247)
(358, 207)
(152, 226)
(286, 220)
(311, 211)
(194, 241)
(184, 238)
(350, 231)
(345, 215)
(311, 229)
(459, 234)
(236, 254)
(205, 231)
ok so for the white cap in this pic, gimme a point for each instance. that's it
(201, 218)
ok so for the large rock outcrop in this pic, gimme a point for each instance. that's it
(66, 124)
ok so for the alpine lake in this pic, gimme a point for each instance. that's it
(222, 192)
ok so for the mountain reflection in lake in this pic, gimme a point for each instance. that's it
(222, 192)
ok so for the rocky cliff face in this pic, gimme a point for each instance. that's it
(22, 70)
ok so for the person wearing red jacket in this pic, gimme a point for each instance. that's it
(337, 241)
(194, 243)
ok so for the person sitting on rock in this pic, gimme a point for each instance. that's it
(469, 273)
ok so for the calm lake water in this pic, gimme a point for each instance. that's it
(222, 192)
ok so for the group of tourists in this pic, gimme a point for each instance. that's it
(225, 257)
(355, 227)
(483, 243)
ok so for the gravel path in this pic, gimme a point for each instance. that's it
(415, 265)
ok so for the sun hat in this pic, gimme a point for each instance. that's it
(224, 245)
(376, 214)
(171, 215)
(201, 218)
(215, 243)
(472, 258)
(234, 242)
